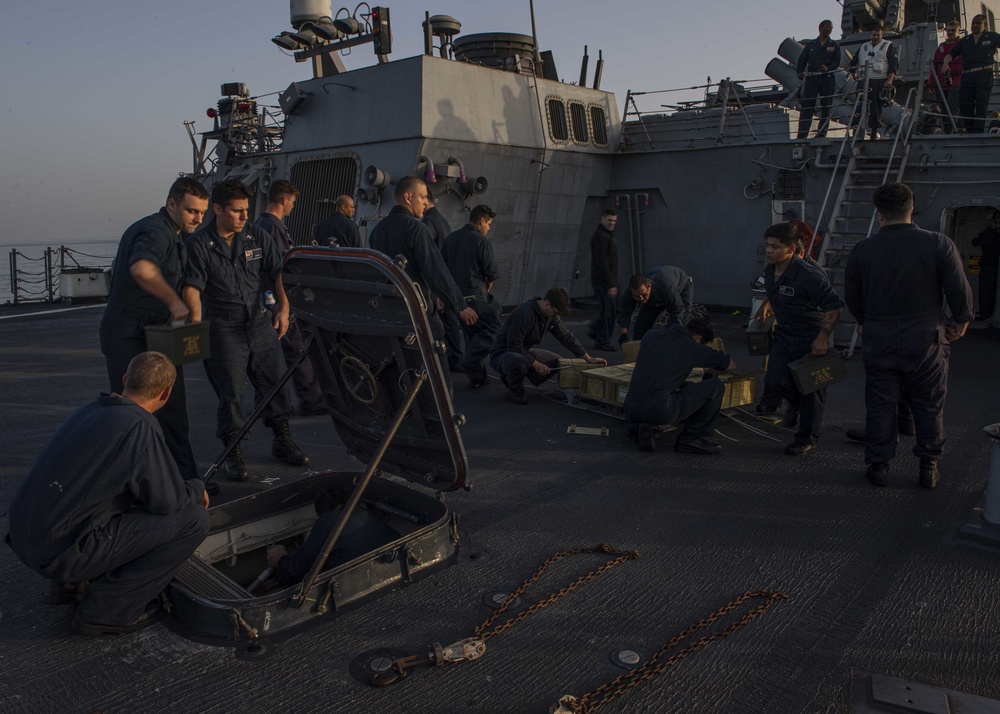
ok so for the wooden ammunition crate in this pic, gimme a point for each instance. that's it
(741, 389)
(630, 351)
(570, 370)
(606, 384)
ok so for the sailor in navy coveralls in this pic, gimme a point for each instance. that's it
(227, 262)
(145, 290)
(895, 282)
(104, 504)
(806, 310)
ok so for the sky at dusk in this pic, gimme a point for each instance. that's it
(95, 92)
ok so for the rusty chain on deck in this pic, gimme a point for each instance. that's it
(656, 665)
(474, 647)
(623, 556)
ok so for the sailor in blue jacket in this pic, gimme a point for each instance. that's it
(664, 289)
(105, 503)
(895, 283)
(402, 233)
(807, 310)
(816, 66)
(228, 260)
(515, 355)
(145, 290)
(659, 392)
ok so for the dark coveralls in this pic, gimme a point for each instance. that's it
(604, 276)
(469, 256)
(130, 309)
(894, 284)
(514, 347)
(307, 387)
(799, 298)
(105, 502)
(989, 243)
(876, 84)
(243, 339)
(672, 290)
(818, 83)
(399, 233)
(977, 78)
(440, 229)
(658, 393)
(337, 230)
(362, 534)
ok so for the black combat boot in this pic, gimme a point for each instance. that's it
(235, 467)
(284, 448)
(929, 472)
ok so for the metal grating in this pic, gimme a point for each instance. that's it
(790, 186)
(320, 182)
(558, 126)
(578, 113)
(599, 122)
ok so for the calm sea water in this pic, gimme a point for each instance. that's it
(30, 264)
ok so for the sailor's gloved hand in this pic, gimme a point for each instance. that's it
(622, 339)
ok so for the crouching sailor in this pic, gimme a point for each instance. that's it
(105, 503)
(362, 534)
(659, 393)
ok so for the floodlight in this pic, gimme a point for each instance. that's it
(306, 37)
(328, 32)
(286, 42)
(347, 25)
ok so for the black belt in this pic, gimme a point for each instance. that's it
(228, 314)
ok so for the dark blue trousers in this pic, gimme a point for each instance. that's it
(240, 350)
(129, 561)
(121, 340)
(904, 362)
(515, 368)
(811, 407)
(604, 325)
(307, 387)
(453, 329)
(974, 99)
(479, 337)
(697, 405)
(822, 87)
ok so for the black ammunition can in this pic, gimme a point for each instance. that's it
(811, 372)
(759, 335)
(181, 343)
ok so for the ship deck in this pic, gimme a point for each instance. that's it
(874, 580)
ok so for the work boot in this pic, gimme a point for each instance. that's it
(928, 472)
(478, 378)
(235, 466)
(700, 445)
(150, 616)
(645, 438)
(858, 435)
(65, 593)
(797, 449)
(878, 474)
(764, 409)
(284, 448)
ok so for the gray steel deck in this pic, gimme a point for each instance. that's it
(873, 580)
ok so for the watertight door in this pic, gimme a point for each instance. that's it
(372, 338)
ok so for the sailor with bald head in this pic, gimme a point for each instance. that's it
(339, 229)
